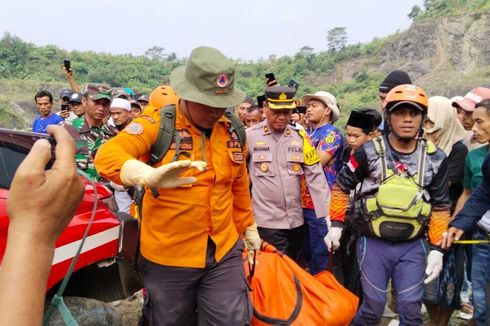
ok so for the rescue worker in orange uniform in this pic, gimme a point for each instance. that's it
(190, 259)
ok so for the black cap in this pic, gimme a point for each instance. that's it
(280, 97)
(143, 98)
(135, 104)
(361, 120)
(65, 93)
(76, 98)
(394, 78)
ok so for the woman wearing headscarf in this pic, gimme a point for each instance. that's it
(443, 128)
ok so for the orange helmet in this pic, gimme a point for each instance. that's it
(406, 94)
(162, 96)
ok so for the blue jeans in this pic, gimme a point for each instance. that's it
(317, 230)
(404, 262)
(480, 278)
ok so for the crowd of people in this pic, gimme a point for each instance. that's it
(394, 193)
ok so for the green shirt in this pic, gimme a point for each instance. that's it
(472, 167)
(88, 140)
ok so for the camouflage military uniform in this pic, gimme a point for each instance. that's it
(88, 140)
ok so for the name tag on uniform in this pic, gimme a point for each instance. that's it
(233, 144)
(238, 157)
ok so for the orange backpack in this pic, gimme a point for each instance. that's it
(282, 293)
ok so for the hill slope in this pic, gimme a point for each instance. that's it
(445, 51)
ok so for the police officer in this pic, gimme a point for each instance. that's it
(279, 156)
(403, 195)
(191, 256)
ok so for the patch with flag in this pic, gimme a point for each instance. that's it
(353, 164)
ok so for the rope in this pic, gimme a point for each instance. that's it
(466, 242)
(57, 301)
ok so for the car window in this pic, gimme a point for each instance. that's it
(11, 156)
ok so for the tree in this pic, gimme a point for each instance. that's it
(306, 51)
(336, 39)
(156, 53)
(415, 12)
(428, 4)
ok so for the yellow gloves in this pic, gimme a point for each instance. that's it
(134, 172)
(251, 238)
(252, 241)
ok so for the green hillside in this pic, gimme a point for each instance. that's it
(352, 73)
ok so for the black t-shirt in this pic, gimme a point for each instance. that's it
(456, 160)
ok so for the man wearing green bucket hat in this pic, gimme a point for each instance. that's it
(191, 256)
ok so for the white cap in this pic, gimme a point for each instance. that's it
(326, 98)
(120, 103)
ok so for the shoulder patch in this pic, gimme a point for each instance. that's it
(134, 128)
(329, 139)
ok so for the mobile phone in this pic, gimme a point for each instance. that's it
(301, 109)
(293, 84)
(67, 64)
(65, 107)
(270, 77)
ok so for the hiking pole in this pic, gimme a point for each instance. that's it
(470, 242)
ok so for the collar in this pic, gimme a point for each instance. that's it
(179, 116)
(87, 128)
(267, 130)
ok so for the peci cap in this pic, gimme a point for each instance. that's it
(326, 98)
(470, 100)
(98, 91)
(76, 98)
(280, 97)
(361, 120)
(260, 101)
(208, 78)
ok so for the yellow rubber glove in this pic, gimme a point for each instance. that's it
(251, 238)
(134, 172)
(252, 241)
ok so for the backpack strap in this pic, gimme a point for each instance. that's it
(165, 135)
(421, 163)
(380, 147)
(236, 126)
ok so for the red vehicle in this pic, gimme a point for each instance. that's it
(111, 238)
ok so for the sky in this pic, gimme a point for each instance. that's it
(247, 30)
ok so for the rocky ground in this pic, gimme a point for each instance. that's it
(130, 309)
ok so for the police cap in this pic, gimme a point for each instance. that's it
(280, 97)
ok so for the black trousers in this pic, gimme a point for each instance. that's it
(289, 241)
(214, 295)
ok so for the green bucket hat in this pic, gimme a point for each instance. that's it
(207, 78)
(98, 91)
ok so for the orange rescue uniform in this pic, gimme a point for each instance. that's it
(176, 224)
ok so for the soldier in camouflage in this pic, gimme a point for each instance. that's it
(90, 131)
